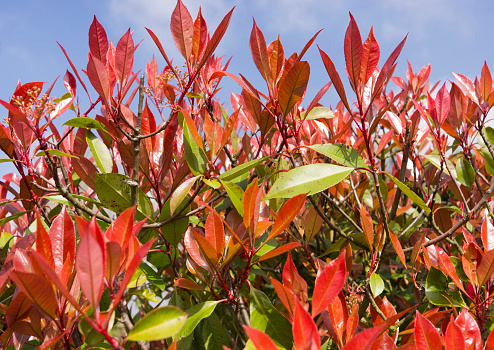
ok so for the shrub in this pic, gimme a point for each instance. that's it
(153, 217)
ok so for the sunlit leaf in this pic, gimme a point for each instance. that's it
(160, 323)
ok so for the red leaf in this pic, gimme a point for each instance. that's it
(43, 242)
(305, 333)
(160, 47)
(86, 170)
(124, 57)
(148, 126)
(200, 36)
(280, 250)
(386, 70)
(367, 226)
(63, 240)
(329, 283)
(16, 112)
(292, 279)
(353, 53)
(426, 335)
(193, 249)
(98, 76)
(285, 294)
(120, 231)
(192, 128)
(454, 339)
(308, 45)
(38, 289)
(467, 86)
(287, 213)
(259, 52)
(399, 250)
(215, 232)
(335, 77)
(364, 339)
(251, 204)
(131, 268)
(253, 105)
(485, 82)
(168, 141)
(448, 267)
(487, 234)
(318, 97)
(6, 143)
(486, 267)
(489, 343)
(261, 340)
(90, 266)
(370, 57)
(470, 330)
(75, 70)
(113, 257)
(216, 38)
(98, 42)
(182, 28)
(187, 284)
(276, 59)
(443, 102)
(293, 87)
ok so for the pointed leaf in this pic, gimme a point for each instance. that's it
(195, 314)
(364, 339)
(124, 57)
(160, 323)
(305, 333)
(309, 179)
(465, 172)
(181, 192)
(367, 227)
(293, 87)
(487, 234)
(287, 213)
(335, 78)
(341, 153)
(469, 329)
(90, 266)
(215, 232)
(328, 284)
(410, 194)
(486, 267)
(259, 52)
(98, 41)
(241, 169)
(467, 86)
(261, 340)
(280, 250)
(376, 284)
(63, 240)
(370, 57)
(98, 76)
(100, 152)
(353, 53)
(182, 28)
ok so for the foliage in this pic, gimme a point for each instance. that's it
(157, 217)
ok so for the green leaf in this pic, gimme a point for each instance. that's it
(160, 323)
(114, 193)
(241, 169)
(100, 152)
(196, 314)
(318, 112)
(181, 192)
(213, 183)
(6, 160)
(174, 231)
(12, 217)
(54, 152)
(264, 317)
(376, 284)
(489, 162)
(85, 123)
(6, 239)
(466, 174)
(309, 179)
(194, 155)
(489, 133)
(152, 276)
(236, 195)
(213, 333)
(409, 193)
(438, 293)
(341, 153)
(435, 159)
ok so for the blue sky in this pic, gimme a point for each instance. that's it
(454, 36)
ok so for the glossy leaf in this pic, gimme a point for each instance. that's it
(259, 52)
(370, 57)
(215, 232)
(160, 323)
(280, 250)
(194, 315)
(100, 152)
(470, 330)
(305, 333)
(182, 28)
(466, 174)
(124, 57)
(98, 41)
(487, 234)
(241, 169)
(409, 193)
(181, 192)
(367, 227)
(486, 267)
(98, 76)
(287, 213)
(426, 335)
(260, 339)
(328, 284)
(335, 78)
(364, 339)
(293, 86)
(63, 241)
(353, 53)
(90, 266)
(376, 284)
(309, 179)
